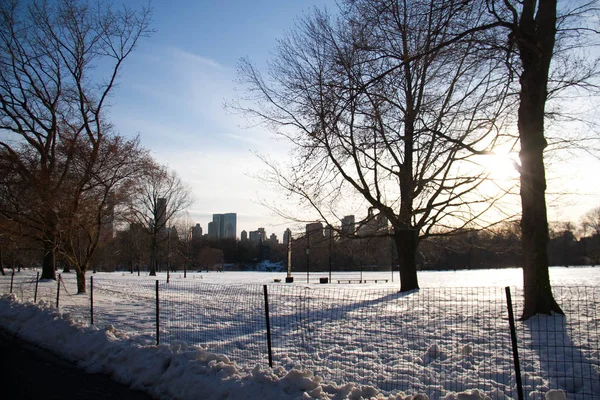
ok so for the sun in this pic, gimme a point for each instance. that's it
(500, 166)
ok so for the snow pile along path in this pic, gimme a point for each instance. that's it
(176, 371)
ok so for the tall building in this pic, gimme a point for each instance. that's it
(244, 236)
(374, 223)
(196, 232)
(216, 224)
(212, 231)
(348, 225)
(229, 228)
(314, 231)
(328, 232)
(369, 226)
(224, 226)
(382, 223)
(287, 235)
(259, 235)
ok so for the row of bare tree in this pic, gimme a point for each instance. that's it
(496, 247)
(499, 247)
(65, 173)
(177, 250)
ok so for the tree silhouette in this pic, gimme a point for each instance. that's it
(158, 197)
(378, 106)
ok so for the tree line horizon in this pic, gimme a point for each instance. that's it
(568, 246)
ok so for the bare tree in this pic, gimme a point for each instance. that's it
(157, 199)
(183, 246)
(546, 40)
(369, 119)
(118, 164)
(51, 96)
(4, 240)
(591, 221)
(132, 246)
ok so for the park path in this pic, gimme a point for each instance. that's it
(29, 372)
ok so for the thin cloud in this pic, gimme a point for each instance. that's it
(195, 58)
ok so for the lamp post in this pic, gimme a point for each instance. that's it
(168, 251)
(307, 257)
(189, 252)
(289, 277)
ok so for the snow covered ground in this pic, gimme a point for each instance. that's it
(449, 341)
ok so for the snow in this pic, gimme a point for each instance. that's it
(121, 341)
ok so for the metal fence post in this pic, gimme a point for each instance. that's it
(330, 250)
(58, 289)
(157, 317)
(269, 348)
(515, 347)
(91, 300)
(12, 279)
(37, 280)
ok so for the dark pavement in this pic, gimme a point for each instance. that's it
(28, 372)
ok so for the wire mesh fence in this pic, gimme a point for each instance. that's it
(436, 341)
(226, 320)
(562, 352)
(429, 341)
(134, 310)
(29, 287)
(78, 305)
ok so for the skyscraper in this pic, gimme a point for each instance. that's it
(314, 230)
(287, 235)
(197, 232)
(258, 235)
(224, 226)
(328, 231)
(212, 231)
(348, 225)
(368, 226)
(217, 224)
(229, 228)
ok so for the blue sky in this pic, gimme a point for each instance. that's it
(173, 87)
(172, 90)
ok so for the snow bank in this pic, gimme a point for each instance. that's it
(268, 266)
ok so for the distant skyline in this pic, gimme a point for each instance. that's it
(172, 89)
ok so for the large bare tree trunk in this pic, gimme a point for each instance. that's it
(407, 237)
(406, 245)
(536, 44)
(49, 260)
(80, 272)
